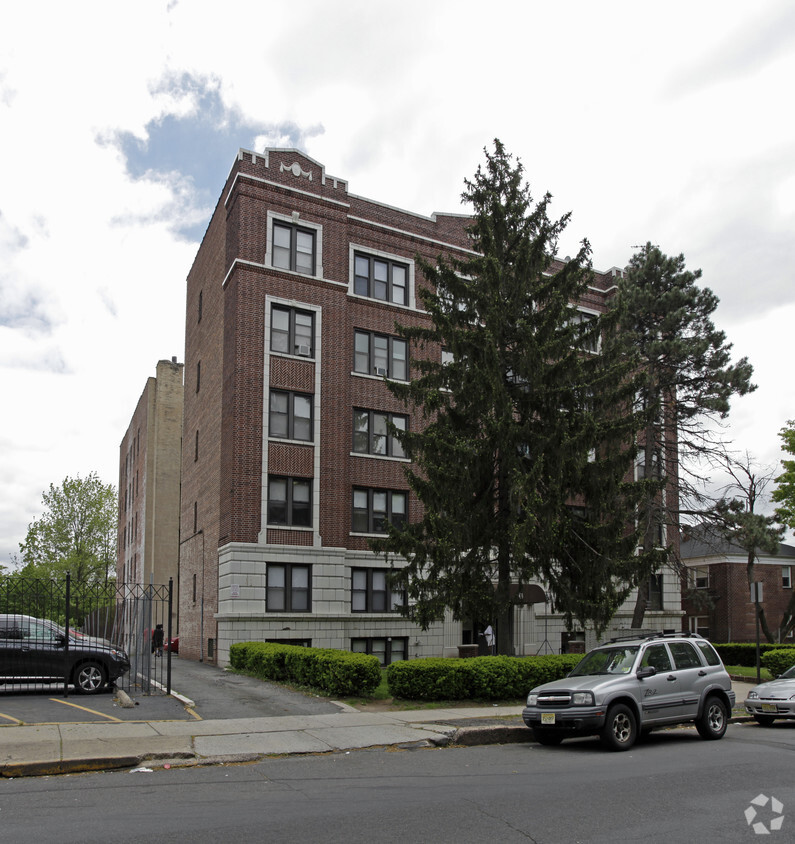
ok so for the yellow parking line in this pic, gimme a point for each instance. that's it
(193, 714)
(85, 709)
(10, 718)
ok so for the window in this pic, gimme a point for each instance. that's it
(293, 248)
(289, 588)
(374, 508)
(655, 600)
(289, 502)
(379, 354)
(201, 305)
(699, 577)
(684, 655)
(388, 649)
(786, 577)
(198, 375)
(292, 331)
(378, 278)
(196, 448)
(371, 433)
(290, 415)
(371, 593)
(707, 651)
(588, 339)
(656, 656)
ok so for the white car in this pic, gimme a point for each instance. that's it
(774, 699)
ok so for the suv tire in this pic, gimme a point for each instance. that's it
(712, 722)
(621, 728)
(90, 678)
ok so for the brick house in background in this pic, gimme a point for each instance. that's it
(288, 467)
(717, 599)
(150, 456)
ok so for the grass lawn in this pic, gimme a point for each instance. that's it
(748, 674)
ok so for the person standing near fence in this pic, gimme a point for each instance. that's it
(157, 640)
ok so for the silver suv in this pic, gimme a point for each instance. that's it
(628, 687)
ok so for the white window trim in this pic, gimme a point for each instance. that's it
(294, 219)
(594, 313)
(387, 256)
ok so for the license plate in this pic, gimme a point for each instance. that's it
(547, 717)
(769, 707)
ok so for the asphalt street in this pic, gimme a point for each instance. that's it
(672, 788)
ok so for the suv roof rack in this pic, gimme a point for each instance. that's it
(647, 637)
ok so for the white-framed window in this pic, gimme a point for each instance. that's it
(786, 577)
(372, 434)
(374, 508)
(699, 577)
(292, 331)
(585, 321)
(370, 592)
(381, 276)
(388, 649)
(294, 245)
(699, 624)
(290, 415)
(289, 588)
(380, 355)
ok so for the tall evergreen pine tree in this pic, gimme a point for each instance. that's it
(685, 382)
(528, 436)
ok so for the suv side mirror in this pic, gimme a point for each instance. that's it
(59, 639)
(647, 671)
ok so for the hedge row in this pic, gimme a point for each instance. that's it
(777, 661)
(744, 653)
(478, 678)
(335, 673)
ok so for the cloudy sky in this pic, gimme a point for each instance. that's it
(120, 121)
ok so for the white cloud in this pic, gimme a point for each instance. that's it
(120, 122)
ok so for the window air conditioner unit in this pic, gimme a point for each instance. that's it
(380, 370)
(304, 350)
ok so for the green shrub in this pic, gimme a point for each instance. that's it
(744, 653)
(477, 678)
(333, 672)
(777, 661)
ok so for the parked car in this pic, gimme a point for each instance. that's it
(34, 650)
(774, 699)
(628, 687)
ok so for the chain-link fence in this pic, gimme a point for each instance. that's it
(83, 636)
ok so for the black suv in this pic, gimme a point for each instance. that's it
(630, 686)
(34, 650)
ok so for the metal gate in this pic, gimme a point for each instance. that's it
(81, 636)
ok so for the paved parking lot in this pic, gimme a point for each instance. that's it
(215, 693)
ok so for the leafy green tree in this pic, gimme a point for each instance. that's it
(686, 382)
(784, 494)
(521, 464)
(76, 532)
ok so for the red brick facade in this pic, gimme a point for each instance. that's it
(231, 367)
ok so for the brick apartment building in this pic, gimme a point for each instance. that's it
(287, 465)
(150, 456)
(717, 598)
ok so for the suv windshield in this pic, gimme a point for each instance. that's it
(618, 660)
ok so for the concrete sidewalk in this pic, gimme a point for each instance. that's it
(74, 747)
(70, 748)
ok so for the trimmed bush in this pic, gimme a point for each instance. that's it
(777, 661)
(744, 653)
(478, 678)
(335, 673)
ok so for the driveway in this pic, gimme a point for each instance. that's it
(215, 693)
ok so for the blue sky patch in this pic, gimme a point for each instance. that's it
(193, 149)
